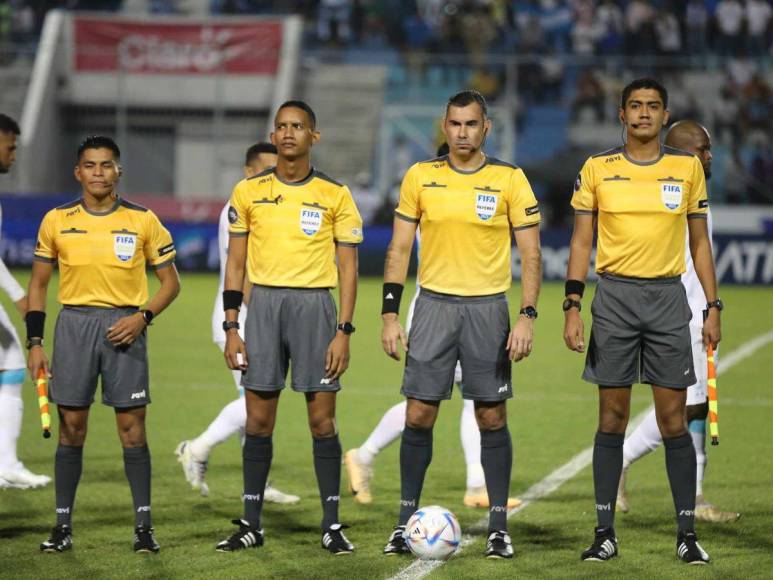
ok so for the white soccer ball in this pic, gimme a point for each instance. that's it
(433, 533)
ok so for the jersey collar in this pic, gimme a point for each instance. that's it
(102, 213)
(467, 171)
(303, 181)
(644, 163)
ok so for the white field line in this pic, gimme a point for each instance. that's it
(421, 568)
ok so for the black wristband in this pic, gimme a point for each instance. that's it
(390, 298)
(36, 322)
(574, 287)
(232, 299)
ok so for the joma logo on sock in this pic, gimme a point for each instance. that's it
(251, 497)
(688, 513)
(140, 395)
(143, 508)
(408, 502)
(333, 498)
(65, 510)
(604, 507)
(498, 508)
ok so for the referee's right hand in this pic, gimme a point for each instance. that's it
(235, 352)
(574, 331)
(392, 334)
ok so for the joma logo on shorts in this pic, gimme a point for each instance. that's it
(326, 381)
(251, 497)
(503, 388)
(140, 395)
(604, 507)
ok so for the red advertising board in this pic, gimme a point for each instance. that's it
(136, 46)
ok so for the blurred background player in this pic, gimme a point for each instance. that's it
(12, 365)
(194, 454)
(103, 245)
(359, 461)
(294, 231)
(694, 138)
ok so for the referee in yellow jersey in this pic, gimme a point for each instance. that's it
(467, 206)
(291, 226)
(642, 196)
(102, 244)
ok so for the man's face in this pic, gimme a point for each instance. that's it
(700, 145)
(98, 172)
(293, 134)
(644, 114)
(465, 129)
(7, 151)
(259, 164)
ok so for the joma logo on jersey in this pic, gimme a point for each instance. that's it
(311, 220)
(485, 206)
(614, 158)
(671, 195)
(77, 210)
(124, 246)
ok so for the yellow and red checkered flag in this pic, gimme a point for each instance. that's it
(45, 415)
(713, 409)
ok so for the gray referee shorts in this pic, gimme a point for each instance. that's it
(82, 354)
(284, 326)
(472, 330)
(640, 333)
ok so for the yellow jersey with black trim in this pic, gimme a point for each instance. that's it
(102, 257)
(293, 228)
(642, 209)
(465, 221)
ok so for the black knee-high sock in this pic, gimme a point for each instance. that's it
(680, 466)
(327, 466)
(136, 465)
(256, 462)
(415, 457)
(68, 465)
(607, 467)
(496, 456)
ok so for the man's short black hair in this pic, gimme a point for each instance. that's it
(259, 149)
(644, 83)
(468, 97)
(99, 142)
(8, 125)
(303, 106)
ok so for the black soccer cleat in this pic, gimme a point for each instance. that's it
(245, 537)
(144, 542)
(604, 547)
(498, 545)
(334, 541)
(396, 544)
(60, 540)
(689, 550)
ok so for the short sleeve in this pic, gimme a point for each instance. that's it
(45, 247)
(523, 209)
(408, 208)
(347, 223)
(159, 247)
(698, 199)
(238, 212)
(584, 196)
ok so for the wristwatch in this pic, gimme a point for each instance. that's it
(229, 324)
(529, 312)
(569, 303)
(148, 316)
(346, 327)
(715, 304)
(34, 342)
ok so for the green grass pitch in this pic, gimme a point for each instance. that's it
(552, 418)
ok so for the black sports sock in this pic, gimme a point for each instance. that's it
(415, 457)
(607, 467)
(256, 462)
(496, 456)
(680, 466)
(68, 465)
(136, 464)
(327, 466)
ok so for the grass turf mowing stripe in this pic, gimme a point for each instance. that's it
(421, 568)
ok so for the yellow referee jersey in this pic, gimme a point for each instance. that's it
(293, 228)
(102, 256)
(465, 219)
(642, 210)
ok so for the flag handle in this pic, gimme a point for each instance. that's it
(45, 415)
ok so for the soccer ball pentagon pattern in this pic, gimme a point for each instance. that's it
(433, 533)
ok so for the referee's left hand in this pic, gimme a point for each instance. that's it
(126, 330)
(337, 356)
(712, 330)
(519, 342)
